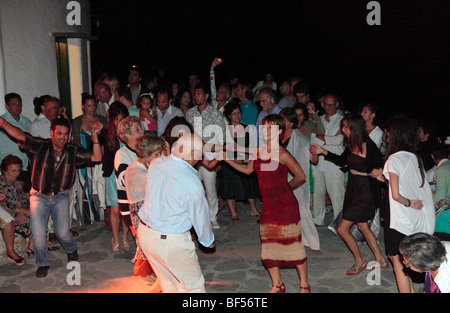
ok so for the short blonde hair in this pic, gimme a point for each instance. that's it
(111, 81)
(149, 144)
(124, 127)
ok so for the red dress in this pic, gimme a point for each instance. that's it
(280, 227)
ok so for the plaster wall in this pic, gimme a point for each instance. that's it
(27, 48)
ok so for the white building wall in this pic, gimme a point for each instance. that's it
(28, 48)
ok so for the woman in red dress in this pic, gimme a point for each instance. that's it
(280, 227)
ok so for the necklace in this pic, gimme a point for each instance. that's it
(57, 155)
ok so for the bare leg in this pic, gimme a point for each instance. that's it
(302, 271)
(8, 236)
(253, 210)
(404, 282)
(275, 275)
(371, 241)
(115, 219)
(232, 205)
(344, 231)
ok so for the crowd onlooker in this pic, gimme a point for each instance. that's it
(325, 158)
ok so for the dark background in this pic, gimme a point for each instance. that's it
(402, 64)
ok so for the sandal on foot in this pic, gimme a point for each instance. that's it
(19, 262)
(356, 269)
(278, 289)
(126, 245)
(236, 220)
(306, 289)
(115, 247)
(383, 264)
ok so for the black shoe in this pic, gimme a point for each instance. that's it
(42, 271)
(72, 256)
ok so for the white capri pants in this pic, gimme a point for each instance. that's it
(174, 260)
(333, 183)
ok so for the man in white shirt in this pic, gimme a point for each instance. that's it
(41, 127)
(327, 176)
(166, 111)
(104, 97)
(175, 202)
(267, 99)
(208, 123)
(134, 80)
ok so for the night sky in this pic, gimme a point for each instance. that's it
(402, 64)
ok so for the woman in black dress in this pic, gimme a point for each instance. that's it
(363, 192)
(233, 185)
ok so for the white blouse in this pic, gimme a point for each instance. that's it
(407, 220)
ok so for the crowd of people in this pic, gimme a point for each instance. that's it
(160, 160)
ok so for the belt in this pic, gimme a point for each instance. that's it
(358, 173)
(45, 193)
(163, 236)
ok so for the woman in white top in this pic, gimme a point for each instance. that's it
(411, 207)
(267, 82)
(369, 114)
(148, 148)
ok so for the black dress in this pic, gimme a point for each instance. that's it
(359, 206)
(235, 185)
(363, 193)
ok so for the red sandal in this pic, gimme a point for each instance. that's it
(308, 289)
(281, 288)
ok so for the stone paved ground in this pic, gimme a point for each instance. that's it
(235, 267)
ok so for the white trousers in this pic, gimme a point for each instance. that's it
(333, 183)
(209, 182)
(174, 260)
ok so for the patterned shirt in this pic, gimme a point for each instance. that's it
(209, 125)
(49, 176)
(12, 195)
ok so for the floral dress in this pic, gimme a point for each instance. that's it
(12, 196)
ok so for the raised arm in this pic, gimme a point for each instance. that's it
(212, 79)
(97, 154)
(13, 131)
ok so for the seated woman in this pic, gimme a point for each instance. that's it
(15, 202)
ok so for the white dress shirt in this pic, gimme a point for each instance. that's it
(175, 200)
(164, 119)
(334, 143)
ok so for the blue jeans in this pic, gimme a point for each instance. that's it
(41, 207)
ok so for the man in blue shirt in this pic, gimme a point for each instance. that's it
(175, 202)
(13, 105)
